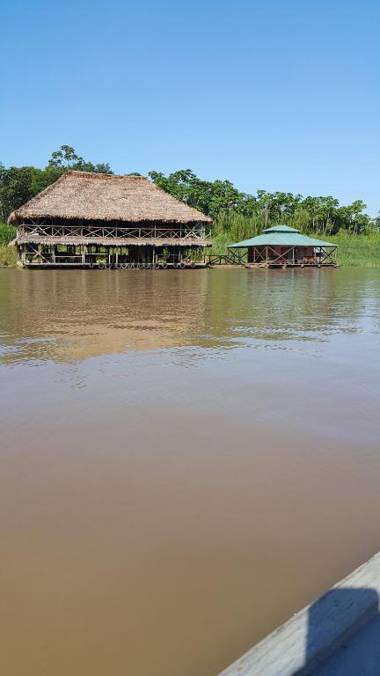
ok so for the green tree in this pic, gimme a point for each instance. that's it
(352, 218)
(15, 188)
(66, 158)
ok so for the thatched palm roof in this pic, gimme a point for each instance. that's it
(89, 196)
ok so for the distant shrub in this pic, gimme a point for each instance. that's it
(7, 233)
(8, 256)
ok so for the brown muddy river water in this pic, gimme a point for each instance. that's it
(186, 459)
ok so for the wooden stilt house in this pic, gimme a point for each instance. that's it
(282, 246)
(101, 220)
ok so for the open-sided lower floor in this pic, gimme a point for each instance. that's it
(290, 256)
(108, 255)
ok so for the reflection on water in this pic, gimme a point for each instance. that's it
(61, 316)
(187, 458)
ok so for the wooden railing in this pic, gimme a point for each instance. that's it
(115, 231)
(226, 259)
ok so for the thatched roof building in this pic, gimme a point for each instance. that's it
(84, 209)
(105, 197)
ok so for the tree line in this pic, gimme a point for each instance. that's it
(234, 212)
(243, 214)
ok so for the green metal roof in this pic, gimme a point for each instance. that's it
(281, 235)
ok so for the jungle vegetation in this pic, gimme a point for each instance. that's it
(240, 215)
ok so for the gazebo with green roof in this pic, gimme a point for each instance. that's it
(282, 246)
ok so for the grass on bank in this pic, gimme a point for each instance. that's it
(8, 254)
(361, 251)
(353, 250)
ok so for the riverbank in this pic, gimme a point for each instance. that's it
(353, 250)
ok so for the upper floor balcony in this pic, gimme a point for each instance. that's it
(115, 231)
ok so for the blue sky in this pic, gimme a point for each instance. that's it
(281, 95)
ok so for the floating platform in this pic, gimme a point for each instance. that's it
(121, 266)
(284, 266)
